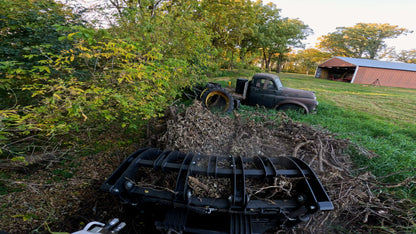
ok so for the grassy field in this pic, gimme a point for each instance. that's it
(379, 119)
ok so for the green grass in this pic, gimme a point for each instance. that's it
(380, 119)
(396, 105)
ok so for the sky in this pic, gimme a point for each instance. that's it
(324, 16)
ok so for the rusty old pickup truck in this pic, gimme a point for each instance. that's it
(264, 90)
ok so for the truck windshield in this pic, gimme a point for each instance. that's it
(278, 83)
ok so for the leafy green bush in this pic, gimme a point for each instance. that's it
(28, 32)
(96, 84)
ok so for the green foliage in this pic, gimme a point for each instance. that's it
(96, 82)
(406, 56)
(173, 29)
(20, 159)
(123, 85)
(79, 78)
(228, 21)
(361, 40)
(306, 61)
(276, 35)
(28, 36)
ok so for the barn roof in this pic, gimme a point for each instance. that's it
(379, 64)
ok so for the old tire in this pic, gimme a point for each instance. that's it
(217, 100)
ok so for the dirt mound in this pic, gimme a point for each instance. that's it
(199, 131)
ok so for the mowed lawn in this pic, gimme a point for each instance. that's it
(379, 119)
(395, 105)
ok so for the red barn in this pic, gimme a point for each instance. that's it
(368, 71)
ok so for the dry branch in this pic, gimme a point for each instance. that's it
(198, 130)
(197, 183)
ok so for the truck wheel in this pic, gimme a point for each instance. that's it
(293, 107)
(218, 100)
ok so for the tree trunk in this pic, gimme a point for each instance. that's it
(243, 53)
(269, 60)
(232, 59)
(278, 66)
(266, 62)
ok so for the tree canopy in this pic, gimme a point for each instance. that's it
(406, 56)
(363, 40)
(276, 35)
(306, 61)
(29, 32)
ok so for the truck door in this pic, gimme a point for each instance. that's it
(263, 92)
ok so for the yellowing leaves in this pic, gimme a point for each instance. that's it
(38, 93)
(82, 48)
(57, 96)
(75, 91)
(71, 35)
(42, 69)
(101, 83)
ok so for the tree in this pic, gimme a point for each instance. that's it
(307, 60)
(277, 35)
(172, 28)
(29, 34)
(229, 23)
(406, 56)
(132, 71)
(363, 40)
(76, 77)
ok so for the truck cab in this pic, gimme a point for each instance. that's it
(267, 90)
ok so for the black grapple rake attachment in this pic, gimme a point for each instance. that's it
(261, 193)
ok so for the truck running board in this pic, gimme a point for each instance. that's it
(197, 193)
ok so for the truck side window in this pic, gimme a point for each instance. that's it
(260, 83)
(265, 84)
(269, 85)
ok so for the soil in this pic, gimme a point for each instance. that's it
(47, 199)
